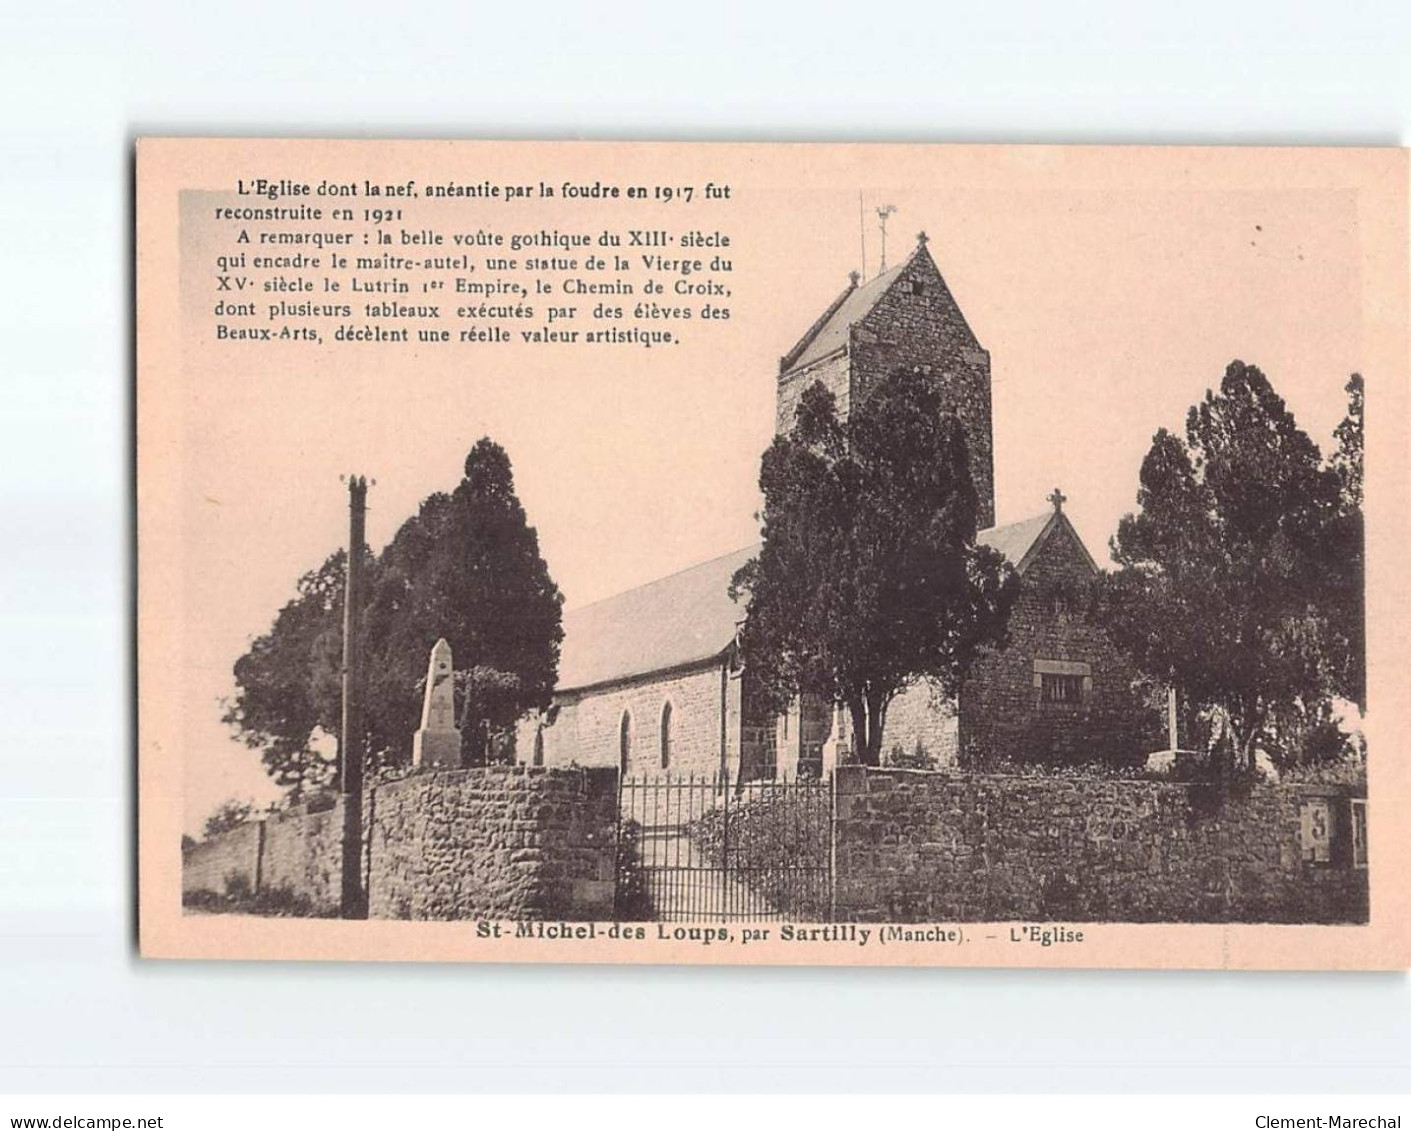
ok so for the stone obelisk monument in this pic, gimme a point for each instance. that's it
(437, 742)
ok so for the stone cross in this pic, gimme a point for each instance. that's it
(437, 742)
(1058, 498)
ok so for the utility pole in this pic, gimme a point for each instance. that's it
(350, 736)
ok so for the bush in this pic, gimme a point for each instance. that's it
(274, 903)
(775, 838)
(631, 901)
(919, 759)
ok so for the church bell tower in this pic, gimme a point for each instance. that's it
(904, 318)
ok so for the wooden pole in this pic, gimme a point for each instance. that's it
(350, 741)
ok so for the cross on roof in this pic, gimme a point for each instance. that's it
(921, 238)
(1058, 498)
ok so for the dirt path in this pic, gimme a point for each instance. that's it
(684, 885)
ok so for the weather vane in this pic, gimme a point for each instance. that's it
(883, 212)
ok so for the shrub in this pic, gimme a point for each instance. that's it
(775, 837)
(918, 759)
(631, 902)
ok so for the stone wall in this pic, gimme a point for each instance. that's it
(922, 729)
(497, 842)
(585, 728)
(226, 864)
(917, 324)
(916, 846)
(494, 843)
(302, 855)
(831, 371)
(1001, 715)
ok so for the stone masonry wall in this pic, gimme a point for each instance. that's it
(587, 728)
(831, 371)
(918, 324)
(920, 723)
(915, 324)
(1000, 711)
(917, 846)
(496, 842)
(303, 853)
(224, 864)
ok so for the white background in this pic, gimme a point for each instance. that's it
(77, 1009)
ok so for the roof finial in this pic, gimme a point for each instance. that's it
(1058, 498)
(853, 277)
(922, 238)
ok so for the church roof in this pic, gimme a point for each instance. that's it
(688, 617)
(1015, 540)
(830, 332)
(672, 622)
(1021, 542)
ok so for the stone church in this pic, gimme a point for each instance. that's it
(650, 680)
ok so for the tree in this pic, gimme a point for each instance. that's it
(869, 576)
(466, 567)
(288, 683)
(1347, 541)
(228, 815)
(1222, 586)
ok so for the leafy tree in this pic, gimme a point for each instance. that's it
(288, 683)
(1347, 541)
(228, 815)
(870, 577)
(1222, 586)
(466, 567)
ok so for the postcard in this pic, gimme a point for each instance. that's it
(839, 554)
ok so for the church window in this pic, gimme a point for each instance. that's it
(1062, 683)
(1062, 688)
(666, 736)
(918, 287)
(624, 739)
(539, 747)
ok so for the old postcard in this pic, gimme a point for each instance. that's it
(755, 553)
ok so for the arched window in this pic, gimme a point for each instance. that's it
(539, 747)
(666, 736)
(624, 739)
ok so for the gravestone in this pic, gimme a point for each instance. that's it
(437, 742)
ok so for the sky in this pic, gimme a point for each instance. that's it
(1111, 287)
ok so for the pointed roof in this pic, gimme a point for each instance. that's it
(1021, 541)
(830, 332)
(688, 618)
(672, 622)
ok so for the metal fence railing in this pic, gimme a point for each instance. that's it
(696, 848)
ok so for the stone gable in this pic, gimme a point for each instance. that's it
(913, 322)
(1088, 709)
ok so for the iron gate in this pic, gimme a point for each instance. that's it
(713, 848)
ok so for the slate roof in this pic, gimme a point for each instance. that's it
(1021, 542)
(830, 332)
(688, 617)
(669, 623)
(1015, 540)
